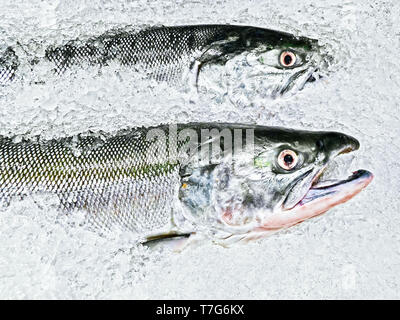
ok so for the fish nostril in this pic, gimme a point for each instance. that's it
(320, 144)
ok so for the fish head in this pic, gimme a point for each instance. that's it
(273, 64)
(270, 184)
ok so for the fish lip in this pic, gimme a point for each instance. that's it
(359, 174)
(313, 78)
(297, 181)
(307, 74)
(340, 190)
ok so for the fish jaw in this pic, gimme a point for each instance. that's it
(318, 200)
(298, 81)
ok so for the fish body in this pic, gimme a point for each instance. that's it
(191, 54)
(229, 181)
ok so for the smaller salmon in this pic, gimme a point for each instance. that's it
(200, 55)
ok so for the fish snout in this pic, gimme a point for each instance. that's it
(335, 143)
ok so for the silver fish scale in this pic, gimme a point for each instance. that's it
(8, 66)
(161, 52)
(6, 74)
(112, 180)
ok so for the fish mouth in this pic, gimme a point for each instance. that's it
(326, 194)
(299, 80)
(319, 198)
(312, 78)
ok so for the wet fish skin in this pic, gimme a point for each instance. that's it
(131, 182)
(171, 53)
(170, 46)
(107, 179)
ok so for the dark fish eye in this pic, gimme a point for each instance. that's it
(287, 159)
(287, 59)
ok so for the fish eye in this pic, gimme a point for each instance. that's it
(287, 159)
(287, 59)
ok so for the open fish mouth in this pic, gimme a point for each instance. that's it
(319, 198)
(324, 195)
(299, 80)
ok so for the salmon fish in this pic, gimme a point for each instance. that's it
(229, 182)
(205, 57)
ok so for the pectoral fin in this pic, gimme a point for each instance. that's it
(174, 242)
